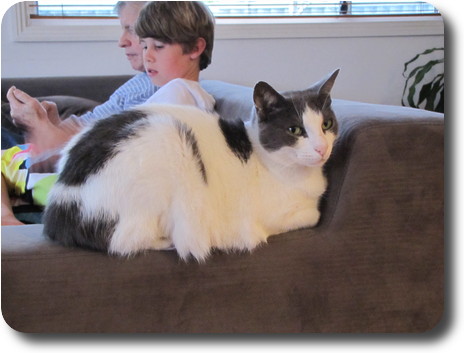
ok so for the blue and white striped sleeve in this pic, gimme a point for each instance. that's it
(134, 92)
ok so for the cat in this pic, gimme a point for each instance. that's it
(163, 176)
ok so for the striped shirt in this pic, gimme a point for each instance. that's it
(135, 91)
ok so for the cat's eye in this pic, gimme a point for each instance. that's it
(326, 125)
(296, 130)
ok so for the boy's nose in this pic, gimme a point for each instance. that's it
(148, 58)
(148, 55)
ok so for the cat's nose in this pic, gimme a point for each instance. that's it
(321, 150)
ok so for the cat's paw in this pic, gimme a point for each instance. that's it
(302, 219)
(198, 252)
(161, 243)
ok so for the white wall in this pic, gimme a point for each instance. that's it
(371, 65)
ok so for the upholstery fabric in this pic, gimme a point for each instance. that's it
(97, 88)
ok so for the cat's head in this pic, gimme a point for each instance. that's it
(297, 127)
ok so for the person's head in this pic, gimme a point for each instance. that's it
(178, 39)
(128, 11)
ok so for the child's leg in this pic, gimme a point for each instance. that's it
(18, 180)
(14, 179)
(8, 217)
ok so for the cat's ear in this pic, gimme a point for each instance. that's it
(327, 83)
(324, 87)
(266, 98)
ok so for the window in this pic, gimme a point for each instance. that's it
(318, 8)
(50, 9)
(239, 19)
(250, 9)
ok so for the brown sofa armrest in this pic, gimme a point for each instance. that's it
(375, 263)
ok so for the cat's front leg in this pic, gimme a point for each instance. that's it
(135, 234)
(190, 234)
(307, 217)
(161, 242)
(253, 234)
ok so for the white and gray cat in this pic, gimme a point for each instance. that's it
(161, 175)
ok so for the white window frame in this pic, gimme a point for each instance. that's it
(54, 30)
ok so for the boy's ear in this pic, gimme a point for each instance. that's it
(198, 49)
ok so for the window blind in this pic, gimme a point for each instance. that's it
(248, 9)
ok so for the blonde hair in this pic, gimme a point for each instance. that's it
(121, 4)
(181, 22)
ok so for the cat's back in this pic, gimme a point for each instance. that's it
(223, 144)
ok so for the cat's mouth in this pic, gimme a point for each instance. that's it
(311, 161)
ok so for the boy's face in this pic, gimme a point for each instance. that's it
(165, 62)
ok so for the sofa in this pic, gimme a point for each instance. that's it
(373, 264)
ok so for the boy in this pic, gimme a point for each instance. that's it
(178, 38)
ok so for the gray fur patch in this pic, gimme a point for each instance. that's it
(63, 223)
(98, 145)
(237, 138)
(188, 137)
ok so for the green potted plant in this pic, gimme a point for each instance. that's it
(429, 83)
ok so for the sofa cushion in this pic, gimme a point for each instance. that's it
(232, 101)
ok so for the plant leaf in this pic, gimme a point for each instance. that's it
(428, 51)
(411, 75)
(441, 103)
(418, 74)
(430, 88)
(436, 88)
(429, 91)
(425, 92)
